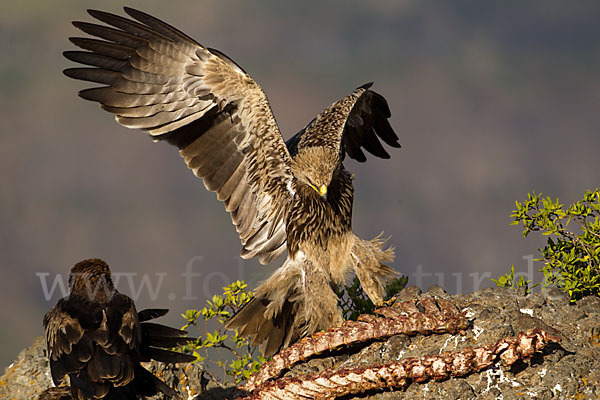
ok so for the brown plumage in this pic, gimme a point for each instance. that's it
(292, 196)
(96, 336)
(56, 393)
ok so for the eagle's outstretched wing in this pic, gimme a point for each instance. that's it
(359, 120)
(160, 80)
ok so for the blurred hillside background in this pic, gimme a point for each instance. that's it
(490, 100)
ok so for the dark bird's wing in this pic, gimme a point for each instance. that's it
(359, 120)
(157, 339)
(151, 313)
(69, 348)
(158, 79)
(97, 346)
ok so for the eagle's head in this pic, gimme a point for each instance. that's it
(314, 167)
(92, 280)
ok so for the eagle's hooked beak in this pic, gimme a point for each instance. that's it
(323, 191)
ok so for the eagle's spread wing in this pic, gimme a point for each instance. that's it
(98, 347)
(359, 120)
(160, 80)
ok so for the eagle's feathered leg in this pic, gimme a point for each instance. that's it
(367, 260)
(296, 301)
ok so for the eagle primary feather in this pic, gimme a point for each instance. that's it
(294, 196)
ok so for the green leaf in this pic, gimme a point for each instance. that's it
(572, 260)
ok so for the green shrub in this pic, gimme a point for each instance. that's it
(354, 301)
(221, 308)
(571, 256)
(508, 280)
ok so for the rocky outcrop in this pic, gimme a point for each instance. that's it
(556, 370)
(569, 369)
(28, 375)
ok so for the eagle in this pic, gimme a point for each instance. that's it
(97, 338)
(291, 196)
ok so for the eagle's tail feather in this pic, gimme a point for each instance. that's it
(148, 384)
(294, 302)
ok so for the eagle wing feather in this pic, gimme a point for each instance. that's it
(357, 121)
(160, 80)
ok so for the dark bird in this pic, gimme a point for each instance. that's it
(96, 336)
(293, 196)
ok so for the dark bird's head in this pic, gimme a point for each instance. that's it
(92, 280)
(314, 167)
